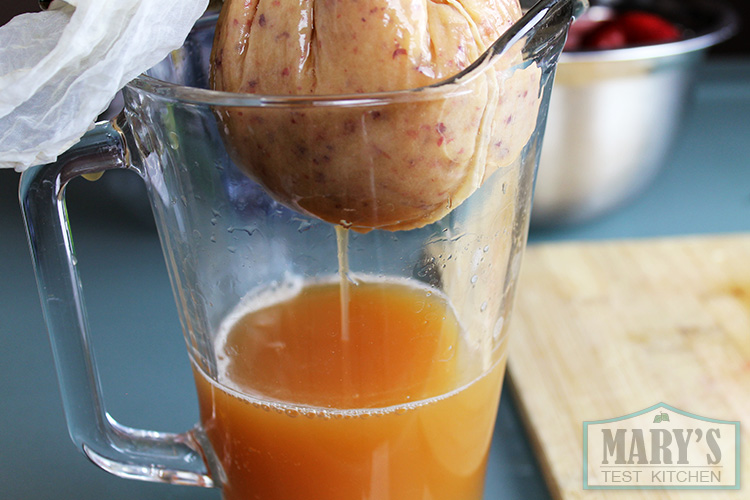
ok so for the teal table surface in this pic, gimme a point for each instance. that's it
(704, 188)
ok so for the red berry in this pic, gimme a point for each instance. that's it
(643, 28)
(608, 35)
(577, 31)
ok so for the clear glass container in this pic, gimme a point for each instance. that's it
(330, 362)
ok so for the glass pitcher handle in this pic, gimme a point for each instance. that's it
(125, 452)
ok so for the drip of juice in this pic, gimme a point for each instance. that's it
(342, 246)
(396, 412)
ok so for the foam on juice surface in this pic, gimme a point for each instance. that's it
(463, 371)
(294, 410)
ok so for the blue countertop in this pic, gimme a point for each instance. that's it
(704, 188)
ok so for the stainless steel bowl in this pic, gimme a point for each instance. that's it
(614, 114)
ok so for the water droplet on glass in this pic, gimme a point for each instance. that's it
(249, 230)
(474, 279)
(483, 307)
(232, 249)
(174, 140)
(486, 249)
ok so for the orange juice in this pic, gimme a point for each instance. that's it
(397, 410)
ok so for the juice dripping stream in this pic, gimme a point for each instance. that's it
(342, 243)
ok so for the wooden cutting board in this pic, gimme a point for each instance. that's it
(601, 330)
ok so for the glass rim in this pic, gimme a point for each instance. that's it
(448, 87)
